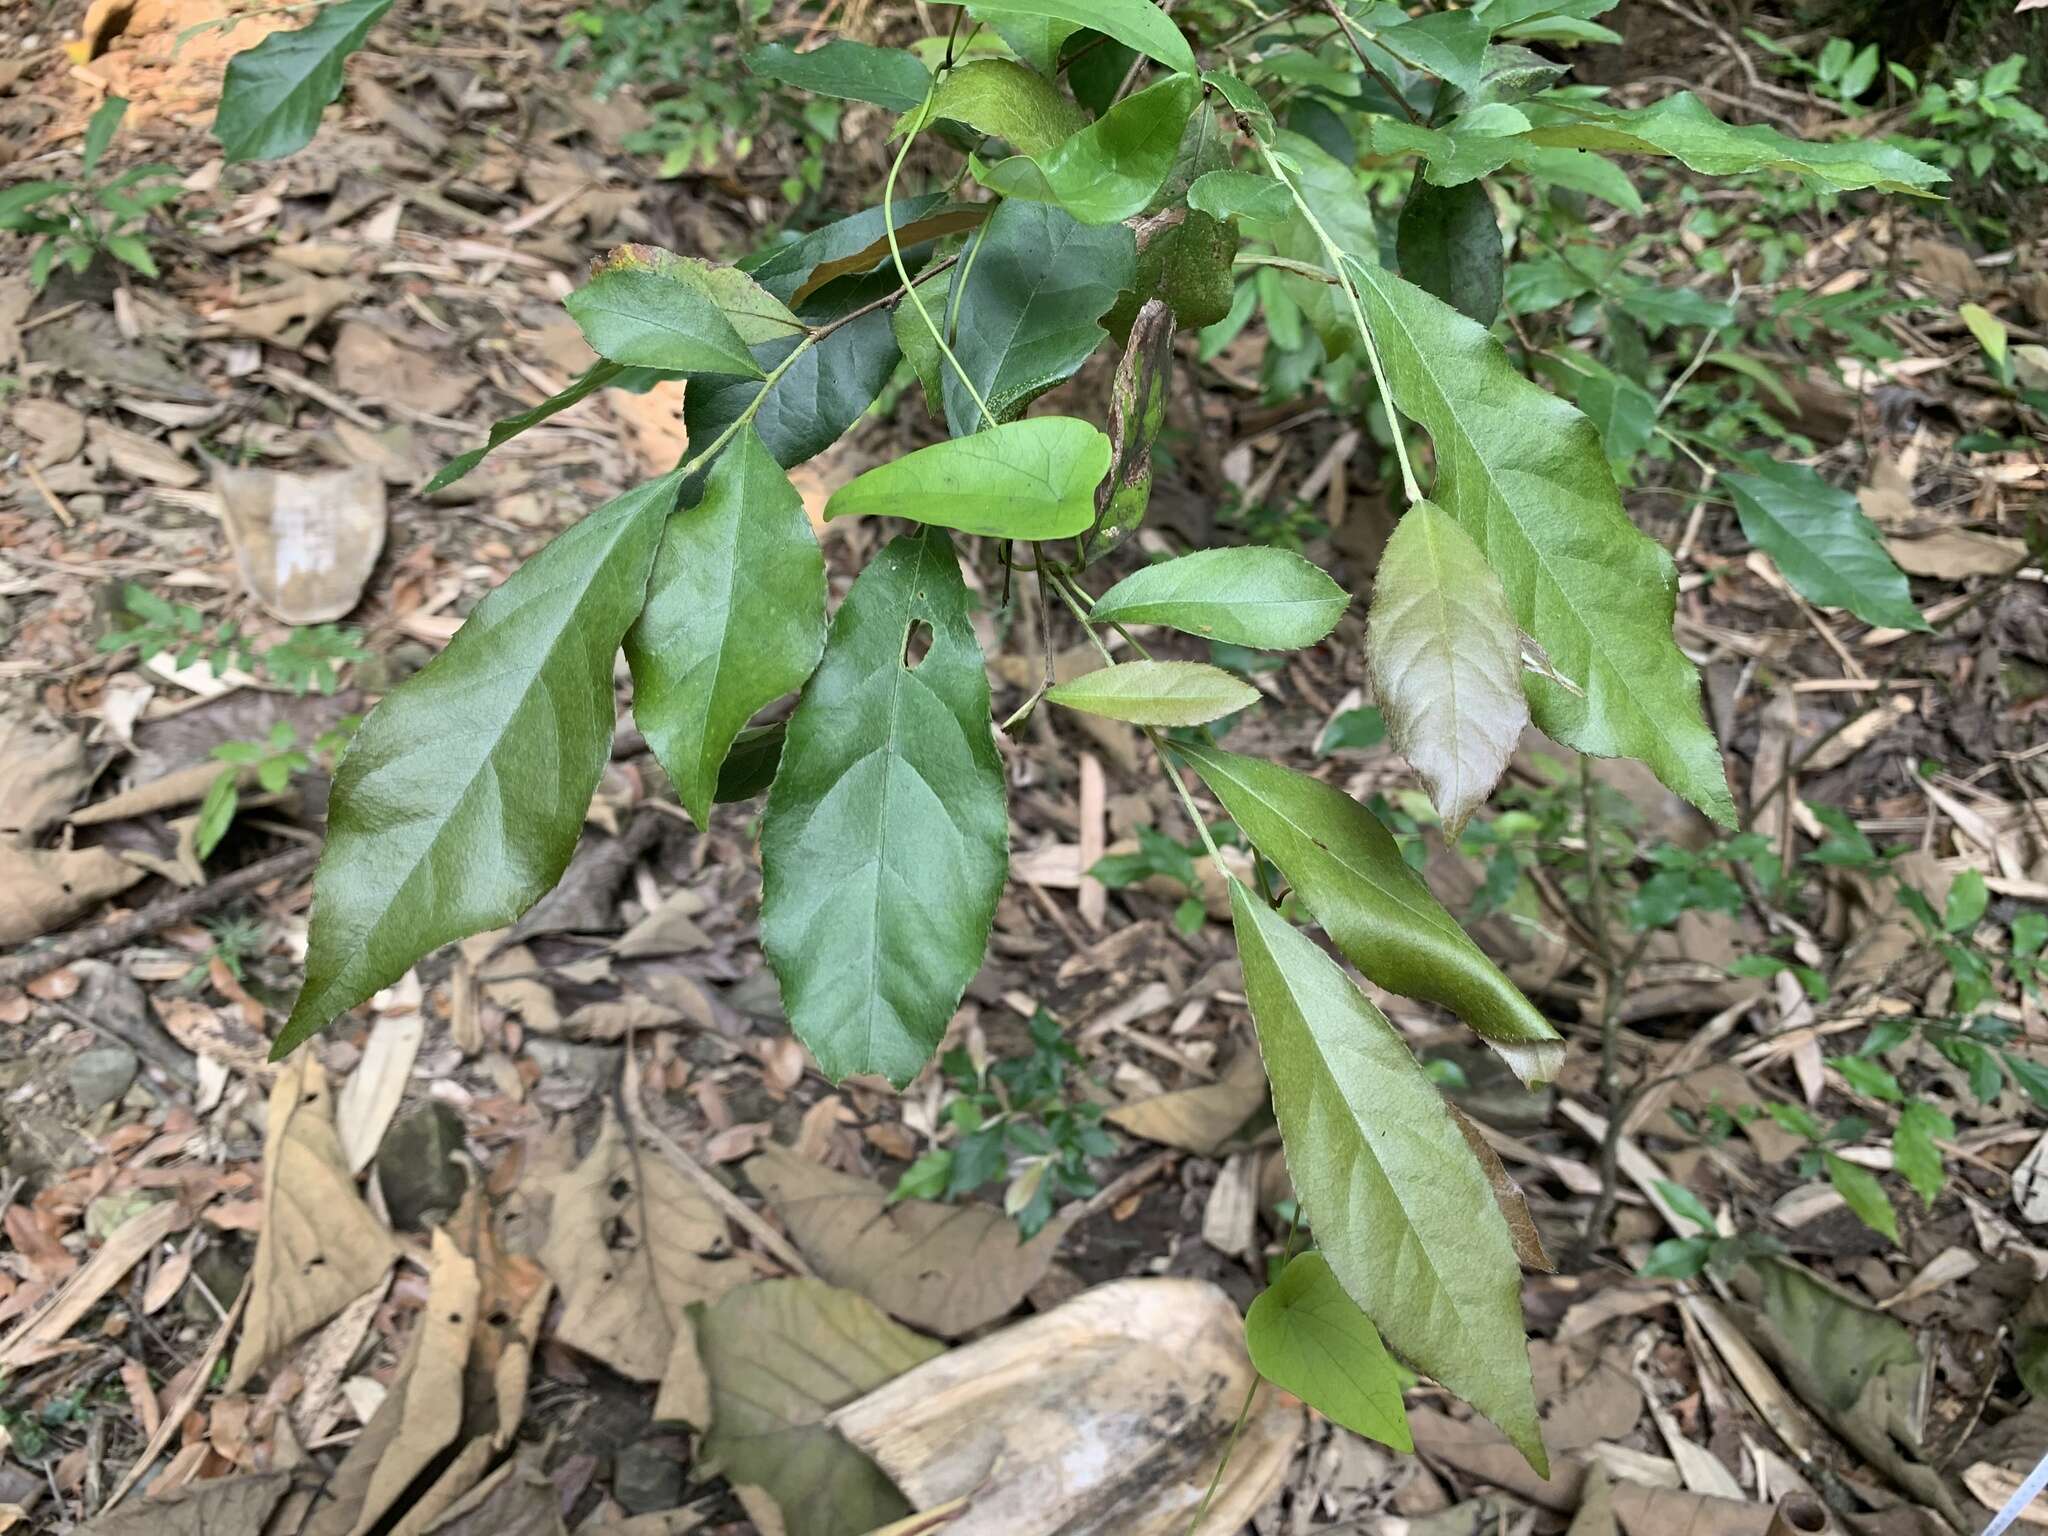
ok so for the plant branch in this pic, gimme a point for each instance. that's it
(903, 273)
(1351, 37)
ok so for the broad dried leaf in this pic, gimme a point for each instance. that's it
(42, 774)
(1527, 477)
(42, 889)
(421, 1414)
(320, 1246)
(223, 1506)
(781, 1355)
(305, 544)
(947, 1269)
(1446, 662)
(886, 838)
(374, 1090)
(630, 1244)
(519, 1499)
(1400, 1207)
(1200, 1119)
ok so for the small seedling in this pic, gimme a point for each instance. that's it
(78, 219)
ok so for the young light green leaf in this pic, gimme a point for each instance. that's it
(735, 618)
(886, 838)
(594, 378)
(1171, 693)
(1136, 24)
(99, 132)
(1988, 329)
(1688, 1205)
(1255, 595)
(1864, 1195)
(274, 93)
(1030, 479)
(1914, 1153)
(1400, 1207)
(645, 315)
(1449, 245)
(217, 811)
(889, 77)
(1347, 870)
(1525, 475)
(1681, 126)
(1821, 540)
(1001, 99)
(458, 802)
(1110, 169)
(1239, 195)
(131, 250)
(1307, 1337)
(1446, 661)
(1029, 308)
(1241, 99)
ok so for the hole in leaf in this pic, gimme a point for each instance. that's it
(620, 1189)
(917, 644)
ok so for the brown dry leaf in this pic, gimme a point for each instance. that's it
(224, 1506)
(422, 1412)
(59, 430)
(129, 1243)
(518, 1499)
(1202, 1119)
(669, 929)
(1507, 1194)
(371, 366)
(947, 1269)
(42, 889)
(630, 1244)
(289, 311)
(305, 544)
(181, 786)
(1106, 1415)
(320, 1248)
(781, 1356)
(371, 1096)
(1942, 265)
(42, 774)
(1955, 553)
(139, 457)
(513, 1300)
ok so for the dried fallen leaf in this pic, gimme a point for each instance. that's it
(320, 1247)
(372, 366)
(630, 1244)
(422, 1412)
(1106, 1415)
(225, 1506)
(123, 1249)
(370, 1097)
(944, 1268)
(1200, 1119)
(42, 889)
(1955, 553)
(518, 1499)
(305, 544)
(781, 1356)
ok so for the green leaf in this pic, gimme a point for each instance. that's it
(1448, 44)
(1110, 169)
(1239, 195)
(850, 71)
(1029, 308)
(1582, 171)
(648, 316)
(2031, 1075)
(459, 801)
(810, 407)
(785, 268)
(781, 1355)
(1821, 540)
(1001, 99)
(1914, 1155)
(1449, 245)
(1031, 479)
(1865, 1196)
(217, 812)
(1525, 475)
(18, 199)
(1241, 99)
(1677, 1258)
(1968, 896)
(1136, 24)
(131, 250)
(1173, 693)
(1624, 413)
(274, 93)
(99, 132)
(1309, 1338)
(886, 838)
(735, 618)
(1256, 595)
(594, 378)
(1347, 870)
(1870, 1078)
(1446, 661)
(1681, 126)
(1988, 329)
(1400, 1207)
(1688, 1205)
(749, 768)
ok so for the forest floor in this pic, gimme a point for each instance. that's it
(430, 1274)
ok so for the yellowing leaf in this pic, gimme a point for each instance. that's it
(1171, 693)
(1446, 661)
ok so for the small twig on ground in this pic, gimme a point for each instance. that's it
(158, 915)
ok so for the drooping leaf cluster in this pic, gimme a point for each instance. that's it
(1130, 179)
